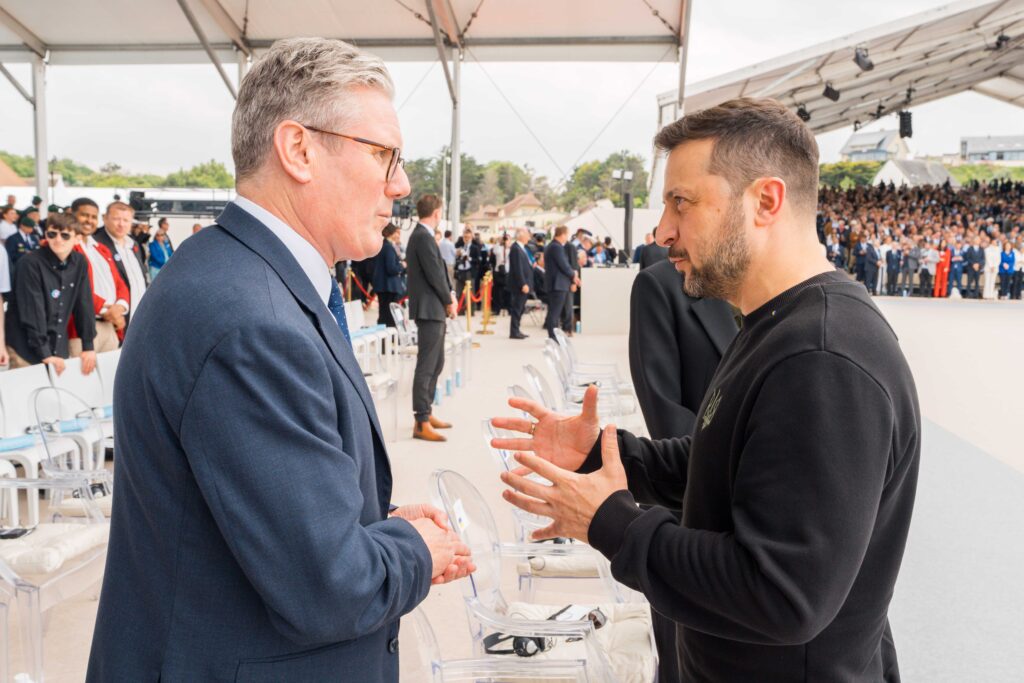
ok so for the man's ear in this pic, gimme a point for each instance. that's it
(770, 193)
(293, 146)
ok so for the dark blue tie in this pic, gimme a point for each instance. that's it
(337, 306)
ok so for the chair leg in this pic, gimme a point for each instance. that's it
(31, 626)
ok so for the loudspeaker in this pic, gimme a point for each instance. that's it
(906, 126)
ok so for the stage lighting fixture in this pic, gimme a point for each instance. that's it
(860, 56)
(1002, 40)
(831, 93)
(802, 112)
(880, 112)
(856, 126)
(906, 126)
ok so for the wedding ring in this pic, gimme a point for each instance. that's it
(533, 428)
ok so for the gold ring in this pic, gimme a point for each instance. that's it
(533, 428)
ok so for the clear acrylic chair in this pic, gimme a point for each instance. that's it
(489, 613)
(52, 562)
(615, 400)
(583, 371)
(525, 522)
(420, 662)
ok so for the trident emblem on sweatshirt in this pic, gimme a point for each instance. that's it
(712, 407)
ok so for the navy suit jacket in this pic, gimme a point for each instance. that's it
(520, 272)
(249, 539)
(558, 273)
(387, 270)
(18, 245)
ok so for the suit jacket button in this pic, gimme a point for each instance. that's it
(393, 646)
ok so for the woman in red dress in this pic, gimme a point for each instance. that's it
(942, 269)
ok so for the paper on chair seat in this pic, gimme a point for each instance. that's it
(75, 507)
(47, 548)
(625, 639)
(567, 566)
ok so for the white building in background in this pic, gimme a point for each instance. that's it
(1001, 150)
(879, 145)
(524, 211)
(913, 173)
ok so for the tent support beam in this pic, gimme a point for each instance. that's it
(228, 26)
(455, 181)
(187, 11)
(31, 40)
(684, 49)
(39, 125)
(17, 86)
(441, 52)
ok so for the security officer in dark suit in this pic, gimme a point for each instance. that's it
(22, 242)
(430, 301)
(559, 277)
(519, 281)
(974, 264)
(675, 345)
(893, 262)
(872, 259)
(652, 253)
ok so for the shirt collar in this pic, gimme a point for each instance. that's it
(308, 257)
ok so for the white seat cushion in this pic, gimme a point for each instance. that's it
(625, 639)
(571, 566)
(46, 549)
(75, 507)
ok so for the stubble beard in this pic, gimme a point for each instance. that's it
(726, 260)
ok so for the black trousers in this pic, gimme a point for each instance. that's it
(515, 309)
(384, 301)
(429, 364)
(891, 280)
(926, 283)
(871, 280)
(973, 282)
(558, 302)
(461, 278)
(569, 312)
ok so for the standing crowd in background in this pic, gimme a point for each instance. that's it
(930, 241)
(72, 281)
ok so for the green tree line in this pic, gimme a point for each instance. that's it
(211, 174)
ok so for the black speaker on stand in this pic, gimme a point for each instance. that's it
(906, 125)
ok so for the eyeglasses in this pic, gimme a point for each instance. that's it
(394, 162)
(52, 234)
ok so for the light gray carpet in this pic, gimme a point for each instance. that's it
(958, 611)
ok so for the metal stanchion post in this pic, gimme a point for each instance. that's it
(468, 292)
(485, 290)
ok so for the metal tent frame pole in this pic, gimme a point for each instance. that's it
(455, 180)
(39, 124)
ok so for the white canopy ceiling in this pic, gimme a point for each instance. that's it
(158, 31)
(934, 54)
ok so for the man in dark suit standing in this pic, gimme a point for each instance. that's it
(974, 263)
(253, 446)
(519, 281)
(893, 263)
(872, 262)
(559, 279)
(675, 344)
(431, 300)
(388, 284)
(652, 253)
(22, 242)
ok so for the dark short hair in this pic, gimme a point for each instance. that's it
(427, 205)
(162, 221)
(389, 230)
(561, 230)
(62, 221)
(753, 138)
(83, 201)
(447, 233)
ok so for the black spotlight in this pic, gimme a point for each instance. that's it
(830, 92)
(856, 126)
(906, 127)
(860, 57)
(802, 112)
(880, 112)
(1002, 40)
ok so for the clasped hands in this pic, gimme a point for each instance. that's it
(451, 557)
(554, 448)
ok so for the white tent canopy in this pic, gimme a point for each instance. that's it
(966, 45)
(234, 31)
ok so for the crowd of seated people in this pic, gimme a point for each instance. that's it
(928, 241)
(72, 279)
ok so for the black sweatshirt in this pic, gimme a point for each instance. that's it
(797, 490)
(46, 293)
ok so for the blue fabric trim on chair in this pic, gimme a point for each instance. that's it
(16, 443)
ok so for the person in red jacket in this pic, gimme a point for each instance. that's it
(111, 295)
(942, 269)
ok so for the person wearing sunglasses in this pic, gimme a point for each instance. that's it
(51, 284)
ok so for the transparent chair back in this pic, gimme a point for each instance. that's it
(543, 389)
(471, 518)
(519, 391)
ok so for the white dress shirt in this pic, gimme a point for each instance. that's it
(102, 276)
(5, 273)
(309, 258)
(136, 280)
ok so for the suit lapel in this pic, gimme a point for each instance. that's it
(716, 320)
(254, 235)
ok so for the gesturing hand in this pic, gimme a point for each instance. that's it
(421, 511)
(450, 556)
(572, 499)
(564, 440)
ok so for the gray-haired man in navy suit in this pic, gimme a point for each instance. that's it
(253, 537)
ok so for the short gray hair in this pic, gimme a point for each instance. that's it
(303, 79)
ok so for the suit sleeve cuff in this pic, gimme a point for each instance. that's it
(608, 527)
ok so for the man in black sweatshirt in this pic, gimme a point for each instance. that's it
(794, 524)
